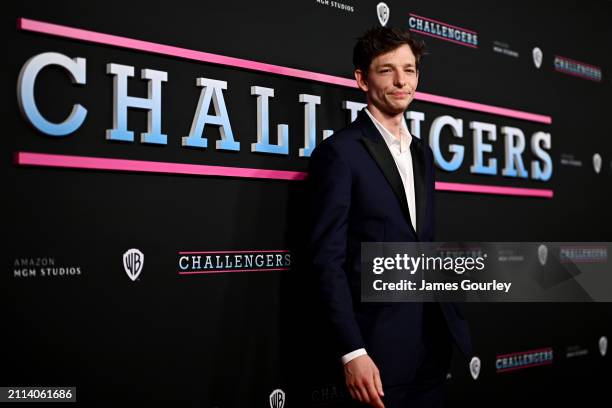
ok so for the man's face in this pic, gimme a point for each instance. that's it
(391, 81)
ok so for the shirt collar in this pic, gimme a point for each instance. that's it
(403, 143)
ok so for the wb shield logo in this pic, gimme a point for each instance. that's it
(597, 163)
(542, 254)
(277, 399)
(475, 367)
(133, 261)
(537, 55)
(603, 345)
(382, 10)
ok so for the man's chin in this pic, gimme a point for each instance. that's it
(394, 109)
(398, 109)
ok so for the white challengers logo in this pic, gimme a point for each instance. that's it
(597, 162)
(133, 262)
(382, 10)
(277, 398)
(475, 367)
(537, 55)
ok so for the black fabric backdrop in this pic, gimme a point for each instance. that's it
(229, 340)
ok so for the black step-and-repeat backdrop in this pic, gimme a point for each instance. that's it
(156, 155)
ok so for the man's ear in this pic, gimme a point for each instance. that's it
(362, 80)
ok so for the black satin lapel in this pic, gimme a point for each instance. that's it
(420, 186)
(381, 154)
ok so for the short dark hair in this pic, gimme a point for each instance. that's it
(380, 40)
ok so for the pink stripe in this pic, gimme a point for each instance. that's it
(100, 163)
(230, 252)
(124, 42)
(578, 62)
(444, 248)
(499, 190)
(443, 38)
(231, 270)
(494, 110)
(524, 352)
(446, 24)
(107, 39)
(524, 366)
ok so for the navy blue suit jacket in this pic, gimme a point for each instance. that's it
(357, 196)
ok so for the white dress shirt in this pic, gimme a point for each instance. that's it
(400, 150)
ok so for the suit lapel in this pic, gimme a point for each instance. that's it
(420, 186)
(379, 151)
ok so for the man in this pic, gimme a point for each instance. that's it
(374, 182)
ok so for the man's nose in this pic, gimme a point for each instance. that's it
(400, 79)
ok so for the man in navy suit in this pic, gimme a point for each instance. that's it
(374, 182)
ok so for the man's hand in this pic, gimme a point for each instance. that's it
(363, 381)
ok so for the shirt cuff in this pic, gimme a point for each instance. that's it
(353, 354)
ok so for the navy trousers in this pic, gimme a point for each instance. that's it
(427, 388)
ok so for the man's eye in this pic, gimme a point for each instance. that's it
(385, 71)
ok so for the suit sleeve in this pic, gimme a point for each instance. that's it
(330, 200)
(432, 187)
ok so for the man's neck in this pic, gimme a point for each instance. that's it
(391, 123)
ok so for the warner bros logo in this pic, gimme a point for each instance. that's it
(277, 399)
(382, 10)
(475, 367)
(597, 162)
(542, 254)
(537, 55)
(133, 262)
(603, 345)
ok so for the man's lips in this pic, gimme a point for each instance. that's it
(399, 94)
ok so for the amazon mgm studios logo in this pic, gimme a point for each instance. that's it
(338, 5)
(133, 263)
